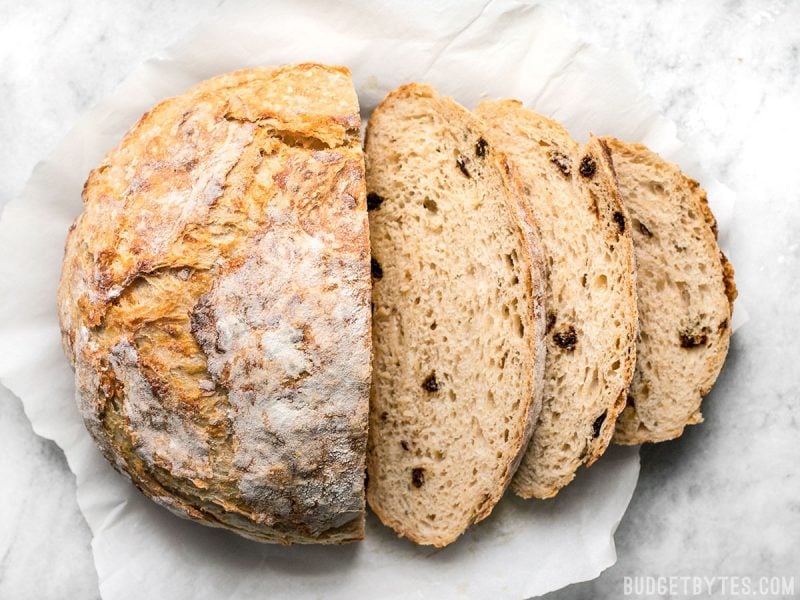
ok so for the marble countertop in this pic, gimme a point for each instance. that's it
(723, 500)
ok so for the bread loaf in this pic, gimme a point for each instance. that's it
(686, 293)
(591, 297)
(458, 317)
(215, 305)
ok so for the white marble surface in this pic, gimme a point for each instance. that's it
(722, 500)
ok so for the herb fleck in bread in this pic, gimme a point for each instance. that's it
(686, 293)
(458, 317)
(591, 297)
(215, 305)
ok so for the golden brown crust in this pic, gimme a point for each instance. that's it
(727, 277)
(214, 302)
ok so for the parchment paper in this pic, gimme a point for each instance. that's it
(469, 50)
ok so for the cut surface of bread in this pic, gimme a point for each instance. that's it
(458, 319)
(215, 305)
(686, 293)
(591, 301)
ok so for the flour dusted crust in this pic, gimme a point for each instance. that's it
(215, 305)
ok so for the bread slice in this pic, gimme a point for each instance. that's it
(686, 293)
(591, 297)
(458, 317)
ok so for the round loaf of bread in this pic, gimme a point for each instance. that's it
(215, 304)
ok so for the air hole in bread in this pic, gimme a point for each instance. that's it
(643, 229)
(376, 269)
(518, 326)
(551, 320)
(619, 218)
(594, 382)
(598, 424)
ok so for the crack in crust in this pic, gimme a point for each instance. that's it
(214, 302)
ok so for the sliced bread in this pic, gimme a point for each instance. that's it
(458, 317)
(591, 301)
(686, 293)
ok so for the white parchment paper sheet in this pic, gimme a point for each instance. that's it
(469, 50)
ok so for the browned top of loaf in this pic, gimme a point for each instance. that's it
(215, 299)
